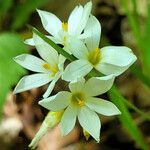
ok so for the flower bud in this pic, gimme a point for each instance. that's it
(86, 134)
(50, 121)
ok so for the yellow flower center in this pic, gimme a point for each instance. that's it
(94, 56)
(53, 69)
(78, 99)
(65, 26)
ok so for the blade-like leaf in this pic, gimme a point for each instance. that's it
(4, 6)
(126, 118)
(55, 46)
(137, 72)
(10, 46)
(23, 11)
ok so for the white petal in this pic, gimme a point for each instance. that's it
(77, 86)
(78, 48)
(76, 69)
(85, 16)
(109, 69)
(93, 29)
(29, 42)
(99, 85)
(117, 55)
(68, 120)
(32, 81)
(90, 121)
(30, 62)
(67, 48)
(56, 102)
(45, 50)
(115, 60)
(61, 61)
(51, 23)
(103, 107)
(74, 19)
(51, 86)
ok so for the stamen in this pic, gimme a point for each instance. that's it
(78, 99)
(65, 26)
(94, 56)
(54, 69)
(46, 66)
(80, 102)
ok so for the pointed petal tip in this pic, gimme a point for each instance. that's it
(97, 140)
(89, 3)
(119, 112)
(64, 133)
(14, 92)
(40, 102)
(14, 58)
(116, 112)
(38, 10)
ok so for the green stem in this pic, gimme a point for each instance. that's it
(132, 21)
(138, 73)
(126, 118)
(143, 114)
(55, 46)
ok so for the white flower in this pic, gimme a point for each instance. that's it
(47, 70)
(81, 103)
(61, 31)
(107, 60)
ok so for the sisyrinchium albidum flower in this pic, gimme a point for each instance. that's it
(62, 31)
(48, 69)
(81, 103)
(107, 60)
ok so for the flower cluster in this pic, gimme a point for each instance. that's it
(80, 37)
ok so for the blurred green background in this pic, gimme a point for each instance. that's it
(124, 22)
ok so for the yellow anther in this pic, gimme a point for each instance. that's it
(65, 26)
(78, 99)
(80, 102)
(53, 69)
(47, 66)
(94, 56)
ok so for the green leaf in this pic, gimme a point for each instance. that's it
(10, 72)
(4, 6)
(144, 115)
(137, 72)
(55, 46)
(24, 10)
(145, 42)
(126, 118)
